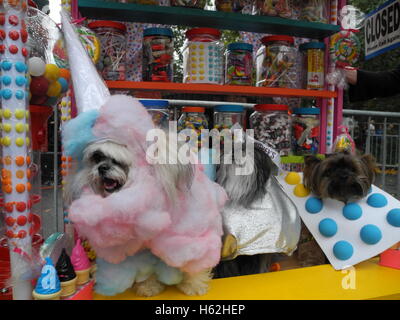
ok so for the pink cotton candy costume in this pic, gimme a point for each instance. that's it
(140, 218)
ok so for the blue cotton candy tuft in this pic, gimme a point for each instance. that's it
(77, 133)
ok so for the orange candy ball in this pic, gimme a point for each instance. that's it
(20, 188)
(19, 161)
(64, 73)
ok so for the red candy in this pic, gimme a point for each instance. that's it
(2, 19)
(14, 35)
(10, 234)
(39, 86)
(10, 221)
(21, 206)
(2, 48)
(13, 49)
(9, 207)
(22, 234)
(21, 220)
(30, 217)
(13, 20)
(2, 34)
(25, 52)
(24, 35)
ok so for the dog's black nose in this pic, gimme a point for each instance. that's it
(104, 168)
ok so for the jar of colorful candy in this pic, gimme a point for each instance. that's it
(239, 64)
(158, 53)
(158, 109)
(305, 131)
(230, 5)
(198, 4)
(271, 124)
(276, 63)
(314, 11)
(225, 116)
(313, 65)
(281, 8)
(193, 118)
(113, 48)
(203, 59)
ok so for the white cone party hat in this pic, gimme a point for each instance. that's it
(89, 88)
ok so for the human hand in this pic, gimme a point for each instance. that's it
(351, 75)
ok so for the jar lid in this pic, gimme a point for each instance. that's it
(229, 108)
(271, 107)
(107, 23)
(312, 45)
(197, 31)
(240, 46)
(193, 109)
(306, 111)
(158, 32)
(156, 104)
(268, 39)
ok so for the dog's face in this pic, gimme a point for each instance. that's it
(107, 166)
(341, 176)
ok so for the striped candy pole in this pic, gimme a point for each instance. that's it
(15, 143)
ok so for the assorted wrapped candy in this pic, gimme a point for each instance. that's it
(158, 53)
(193, 118)
(305, 131)
(198, 4)
(281, 8)
(113, 48)
(239, 64)
(271, 125)
(314, 11)
(230, 5)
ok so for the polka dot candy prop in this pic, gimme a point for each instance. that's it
(15, 141)
(351, 233)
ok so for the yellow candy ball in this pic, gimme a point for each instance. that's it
(52, 72)
(7, 113)
(27, 114)
(54, 89)
(28, 141)
(27, 127)
(301, 191)
(292, 178)
(19, 142)
(19, 114)
(20, 127)
(6, 141)
(1, 113)
(7, 127)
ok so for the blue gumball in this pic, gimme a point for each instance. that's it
(370, 234)
(343, 250)
(64, 84)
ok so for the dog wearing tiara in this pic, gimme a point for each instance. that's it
(151, 223)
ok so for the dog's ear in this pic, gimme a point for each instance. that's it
(310, 161)
(369, 161)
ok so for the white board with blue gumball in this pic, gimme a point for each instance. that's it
(351, 233)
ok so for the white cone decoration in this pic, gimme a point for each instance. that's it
(89, 88)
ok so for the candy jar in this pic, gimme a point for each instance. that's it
(313, 65)
(158, 109)
(113, 48)
(193, 118)
(305, 131)
(271, 124)
(230, 5)
(314, 11)
(203, 60)
(276, 63)
(225, 116)
(198, 4)
(158, 54)
(239, 64)
(281, 8)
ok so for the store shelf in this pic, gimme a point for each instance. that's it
(96, 9)
(219, 89)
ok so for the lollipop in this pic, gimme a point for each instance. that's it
(345, 48)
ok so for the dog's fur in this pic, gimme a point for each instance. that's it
(106, 167)
(342, 176)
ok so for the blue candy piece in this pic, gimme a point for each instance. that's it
(19, 94)
(377, 200)
(21, 67)
(314, 205)
(20, 81)
(64, 84)
(393, 217)
(6, 93)
(328, 227)
(343, 250)
(6, 80)
(370, 234)
(6, 65)
(352, 211)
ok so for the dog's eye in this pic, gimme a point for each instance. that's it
(97, 157)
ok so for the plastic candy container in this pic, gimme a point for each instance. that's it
(225, 116)
(193, 118)
(199, 4)
(271, 124)
(113, 48)
(313, 65)
(281, 8)
(276, 63)
(230, 5)
(314, 11)
(305, 122)
(158, 53)
(158, 110)
(239, 64)
(203, 60)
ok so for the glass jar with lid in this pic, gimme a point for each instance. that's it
(239, 64)
(158, 109)
(271, 125)
(305, 131)
(314, 11)
(313, 65)
(281, 8)
(203, 57)
(193, 118)
(226, 116)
